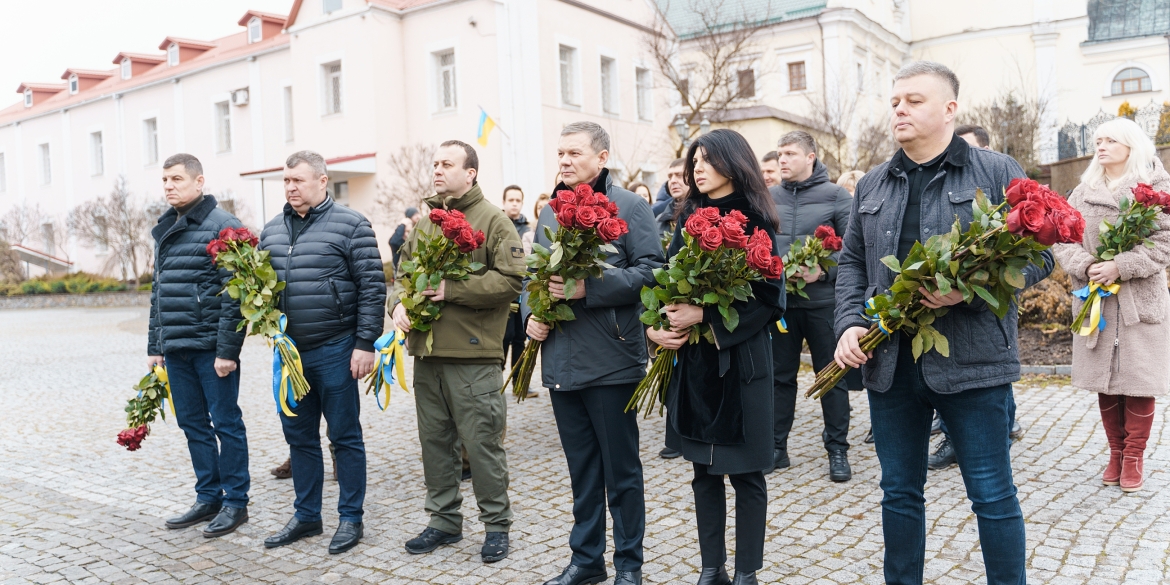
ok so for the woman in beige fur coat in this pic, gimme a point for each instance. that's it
(1128, 363)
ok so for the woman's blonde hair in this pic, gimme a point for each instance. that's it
(1141, 151)
(848, 181)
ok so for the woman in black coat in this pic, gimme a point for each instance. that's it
(719, 401)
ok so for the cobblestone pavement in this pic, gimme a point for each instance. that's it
(75, 507)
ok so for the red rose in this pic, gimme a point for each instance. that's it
(479, 238)
(456, 214)
(696, 225)
(587, 216)
(734, 216)
(1076, 228)
(437, 216)
(832, 243)
(711, 239)
(733, 235)
(245, 235)
(602, 212)
(759, 258)
(581, 190)
(567, 216)
(1048, 233)
(227, 233)
(565, 198)
(775, 268)
(215, 247)
(1145, 194)
(451, 228)
(611, 229)
(760, 239)
(1026, 218)
(1021, 189)
(465, 240)
(710, 214)
(612, 208)
(589, 199)
(132, 439)
(824, 231)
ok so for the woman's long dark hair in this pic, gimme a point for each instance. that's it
(730, 155)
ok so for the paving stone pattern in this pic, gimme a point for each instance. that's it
(76, 508)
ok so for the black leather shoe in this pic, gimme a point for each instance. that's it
(668, 453)
(779, 460)
(578, 575)
(347, 536)
(714, 576)
(466, 475)
(226, 522)
(839, 470)
(742, 578)
(292, 532)
(429, 540)
(627, 578)
(1017, 431)
(943, 457)
(936, 424)
(198, 513)
(495, 547)
(868, 437)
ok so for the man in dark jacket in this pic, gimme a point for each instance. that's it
(917, 194)
(335, 303)
(193, 334)
(514, 338)
(805, 200)
(591, 366)
(676, 186)
(398, 238)
(457, 377)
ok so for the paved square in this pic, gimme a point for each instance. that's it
(77, 508)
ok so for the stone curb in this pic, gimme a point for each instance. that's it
(56, 301)
(1061, 370)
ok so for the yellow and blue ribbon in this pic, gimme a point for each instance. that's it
(390, 353)
(282, 386)
(877, 318)
(161, 373)
(782, 325)
(1093, 294)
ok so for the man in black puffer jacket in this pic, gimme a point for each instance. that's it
(806, 200)
(193, 333)
(328, 255)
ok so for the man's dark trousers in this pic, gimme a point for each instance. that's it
(334, 394)
(206, 408)
(815, 326)
(600, 441)
(979, 426)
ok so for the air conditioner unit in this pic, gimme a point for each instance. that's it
(240, 97)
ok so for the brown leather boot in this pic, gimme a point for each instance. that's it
(1113, 419)
(284, 470)
(1139, 417)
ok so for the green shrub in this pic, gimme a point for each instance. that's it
(1048, 303)
(34, 287)
(57, 287)
(144, 287)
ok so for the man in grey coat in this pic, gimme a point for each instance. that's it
(591, 366)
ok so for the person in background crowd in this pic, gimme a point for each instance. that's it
(976, 136)
(919, 192)
(1125, 364)
(641, 190)
(513, 202)
(591, 371)
(401, 232)
(537, 206)
(677, 189)
(805, 199)
(193, 334)
(334, 302)
(514, 338)
(720, 412)
(848, 181)
(770, 165)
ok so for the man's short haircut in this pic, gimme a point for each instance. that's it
(678, 162)
(513, 188)
(930, 68)
(314, 160)
(598, 137)
(800, 138)
(771, 156)
(190, 164)
(981, 135)
(472, 159)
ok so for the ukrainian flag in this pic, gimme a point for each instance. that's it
(486, 124)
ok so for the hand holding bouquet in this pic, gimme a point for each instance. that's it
(141, 410)
(715, 267)
(588, 225)
(255, 285)
(815, 251)
(986, 261)
(438, 257)
(1137, 221)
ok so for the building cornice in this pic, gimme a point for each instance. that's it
(970, 35)
(1105, 47)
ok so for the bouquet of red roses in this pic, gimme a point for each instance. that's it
(985, 261)
(1137, 221)
(255, 285)
(147, 405)
(588, 224)
(437, 257)
(715, 267)
(815, 250)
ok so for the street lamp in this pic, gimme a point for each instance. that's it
(704, 125)
(681, 127)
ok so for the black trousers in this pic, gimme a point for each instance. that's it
(515, 336)
(751, 516)
(601, 447)
(816, 327)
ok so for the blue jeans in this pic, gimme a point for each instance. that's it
(206, 408)
(979, 425)
(1011, 412)
(333, 392)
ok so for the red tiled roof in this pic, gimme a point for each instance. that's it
(269, 16)
(91, 73)
(139, 57)
(185, 43)
(40, 87)
(398, 5)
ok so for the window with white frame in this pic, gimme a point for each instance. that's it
(255, 34)
(46, 163)
(223, 127)
(328, 6)
(126, 69)
(746, 83)
(97, 163)
(74, 85)
(173, 54)
(568, 68)
(860, 76)
(332, 86)
(644, 92)
(445, 80)
(797, 81)
(288, 113)
(609, 83)
(3, 174)
(28, 98)
(150, 141)
(1131, 80)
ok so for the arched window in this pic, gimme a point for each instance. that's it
(1131, 80)
(254, 33)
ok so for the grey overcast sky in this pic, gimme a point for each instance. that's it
(41, 39)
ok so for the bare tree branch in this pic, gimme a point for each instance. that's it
(410, 182)
(1015, 124)
(120, 225)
